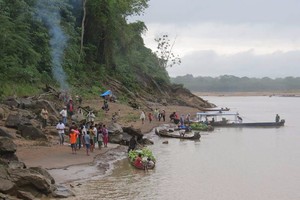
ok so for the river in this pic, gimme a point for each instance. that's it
(226, 164)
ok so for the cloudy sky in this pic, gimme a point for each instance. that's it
(254, 38)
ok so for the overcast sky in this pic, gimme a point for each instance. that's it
(254, 38)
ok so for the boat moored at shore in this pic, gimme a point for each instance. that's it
(232, 119)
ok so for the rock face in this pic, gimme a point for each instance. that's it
(5, 133)
(119, 135)
(19, 182)
(31, 132)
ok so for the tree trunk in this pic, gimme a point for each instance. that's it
(82, 28)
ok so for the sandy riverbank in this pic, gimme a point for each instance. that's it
(65, 166)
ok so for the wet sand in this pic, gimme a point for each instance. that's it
(57, 156)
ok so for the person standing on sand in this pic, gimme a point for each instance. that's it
(150, 117)
(95, 132)
(83, 133)
(92, 142)
(156, 114)
(60, 127)
(132, 143)
(87, 143)
(100, 140)
(142, 117)
(105, 135)
(70, 108)
(44, 115)
(63, 114)
(73, 139)
(163, 115)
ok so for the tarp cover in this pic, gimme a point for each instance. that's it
(108, 92)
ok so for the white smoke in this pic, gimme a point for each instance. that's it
(48, 12)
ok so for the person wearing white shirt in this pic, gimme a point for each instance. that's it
(60, 127)
(63, 114)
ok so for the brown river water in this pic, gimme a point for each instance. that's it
(226, 164)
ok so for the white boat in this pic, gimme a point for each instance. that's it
(231, 119)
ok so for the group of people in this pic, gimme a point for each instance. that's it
(145, 164)
(85, 135)
(182, 120)
(157, 115)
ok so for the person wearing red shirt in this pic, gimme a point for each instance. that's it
(138, 162)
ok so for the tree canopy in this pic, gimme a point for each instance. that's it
(111, 45)
(229, 83)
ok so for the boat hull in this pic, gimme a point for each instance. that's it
(141, 168)
(257, 124)
(176, 134)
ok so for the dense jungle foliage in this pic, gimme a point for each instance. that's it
(43, 40)
(228, 83)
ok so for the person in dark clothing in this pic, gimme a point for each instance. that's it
(132, 143)
(277, 118)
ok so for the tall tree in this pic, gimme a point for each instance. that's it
(82, 27)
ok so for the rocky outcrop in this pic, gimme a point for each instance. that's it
(4, 132)
(19, 182)
(122, 135)
(15, 120)
(115, 133)
(31, 132)
(7, 150)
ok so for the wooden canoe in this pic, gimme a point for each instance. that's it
(176, 134)
(137, 167)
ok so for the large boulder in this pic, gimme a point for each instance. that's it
(7, 150)
(30, 180)
(6, 185)
(44, 173)
(133, 132)
(115, 138)
(115, 133)
(31, 132)
(15, 120)
(79, 118)
(19, 182)
(7, 146)
(2, 113)
(125, 139)
(114, 128)
(62, 192)
(12, 102)
(4, 132)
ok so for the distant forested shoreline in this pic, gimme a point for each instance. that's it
(229, 83)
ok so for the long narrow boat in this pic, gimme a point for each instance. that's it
(252, 124)
(213, 119)
(177, 134)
